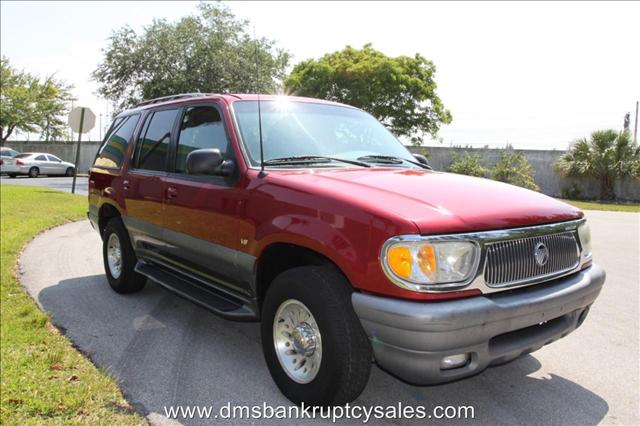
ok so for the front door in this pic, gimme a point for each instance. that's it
(56, 166)
(202, 211)
(143, 185)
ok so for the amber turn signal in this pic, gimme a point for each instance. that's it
(399, 260)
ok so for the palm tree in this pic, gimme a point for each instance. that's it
(607, 156)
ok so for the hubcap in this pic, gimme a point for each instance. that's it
(114, 256)
(297, 340)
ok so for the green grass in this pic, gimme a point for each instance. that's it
(597, 205)
(43, 379)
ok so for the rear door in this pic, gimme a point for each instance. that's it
(202, 212)
(42, 163)
(143, 186)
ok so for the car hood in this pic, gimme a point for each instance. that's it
(437, 202)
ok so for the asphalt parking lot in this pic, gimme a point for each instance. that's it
(164, 350)
(53, 182)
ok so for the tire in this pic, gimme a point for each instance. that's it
(121, 274)
(345, 361)
(34, 172)
(69, 172)
(12, 175)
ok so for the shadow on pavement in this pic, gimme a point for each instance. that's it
(166, 351)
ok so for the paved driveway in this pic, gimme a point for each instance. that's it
(166, 351)
(60, 183)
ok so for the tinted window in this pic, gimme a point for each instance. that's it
(153, 146)
(53, 158)
(112, 152)
(8, 153)
(201, 127)
(22, 155)
(41, 158)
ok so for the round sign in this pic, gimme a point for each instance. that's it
(88, 121)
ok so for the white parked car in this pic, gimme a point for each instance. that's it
(34, 164)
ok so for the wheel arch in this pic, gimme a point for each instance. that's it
(107, 212)
(278, 257)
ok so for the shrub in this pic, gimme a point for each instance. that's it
(571, 192)
(469, 164)
(514, 168)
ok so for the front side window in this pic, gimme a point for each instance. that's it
(293, 128)
(41, 158)
(113, 151)
(201, 128)
(153, 145)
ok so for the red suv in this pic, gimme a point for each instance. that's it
(310, 217)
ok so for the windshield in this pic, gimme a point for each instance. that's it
(294, 129)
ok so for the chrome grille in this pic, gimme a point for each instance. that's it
(513, 262)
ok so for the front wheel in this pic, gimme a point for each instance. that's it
(69, 172)
(120, 260)
(313, 342)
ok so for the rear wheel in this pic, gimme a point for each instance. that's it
(69, 172)
(313, 342)
(120, 259)
(34, 172)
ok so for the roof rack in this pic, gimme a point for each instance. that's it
(170, 98)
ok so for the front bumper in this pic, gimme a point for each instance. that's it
(409, 339)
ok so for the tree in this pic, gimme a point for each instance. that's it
(514, 168)
(28, 105)
(400, 91)
(469, 164)
(54, 98)
(607, 156)
(206, 52)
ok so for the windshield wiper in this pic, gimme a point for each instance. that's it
(311, 159)
(389, 159)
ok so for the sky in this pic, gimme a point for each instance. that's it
(534, 75)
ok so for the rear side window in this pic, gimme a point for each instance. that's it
(201, 128)
(112, 152)
(153, 145)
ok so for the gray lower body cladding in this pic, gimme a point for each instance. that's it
(410, 339)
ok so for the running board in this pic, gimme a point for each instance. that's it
(195, 292)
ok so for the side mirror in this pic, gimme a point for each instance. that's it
(209, 162)
(422, 159)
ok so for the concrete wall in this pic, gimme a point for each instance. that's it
(65, 150)
(549, 181)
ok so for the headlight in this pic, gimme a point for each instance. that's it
(584, 233)
(427, 265)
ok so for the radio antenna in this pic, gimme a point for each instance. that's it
(257, 81)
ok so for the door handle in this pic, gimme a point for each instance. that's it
(172, 192)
